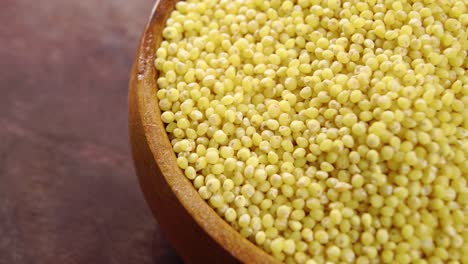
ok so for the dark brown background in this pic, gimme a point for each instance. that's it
(68, 193)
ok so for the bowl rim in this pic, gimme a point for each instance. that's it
(143, 85)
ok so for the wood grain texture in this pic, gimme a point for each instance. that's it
(194, 228)
(68, 192)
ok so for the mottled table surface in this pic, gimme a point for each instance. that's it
(68, 193)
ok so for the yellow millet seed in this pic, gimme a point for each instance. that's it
(329, 131)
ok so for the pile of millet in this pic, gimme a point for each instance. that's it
(324, 131)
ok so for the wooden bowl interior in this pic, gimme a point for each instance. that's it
(196, 231)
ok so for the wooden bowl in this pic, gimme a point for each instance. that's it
(196, 231)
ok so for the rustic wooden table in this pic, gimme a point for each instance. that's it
(68, 193)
